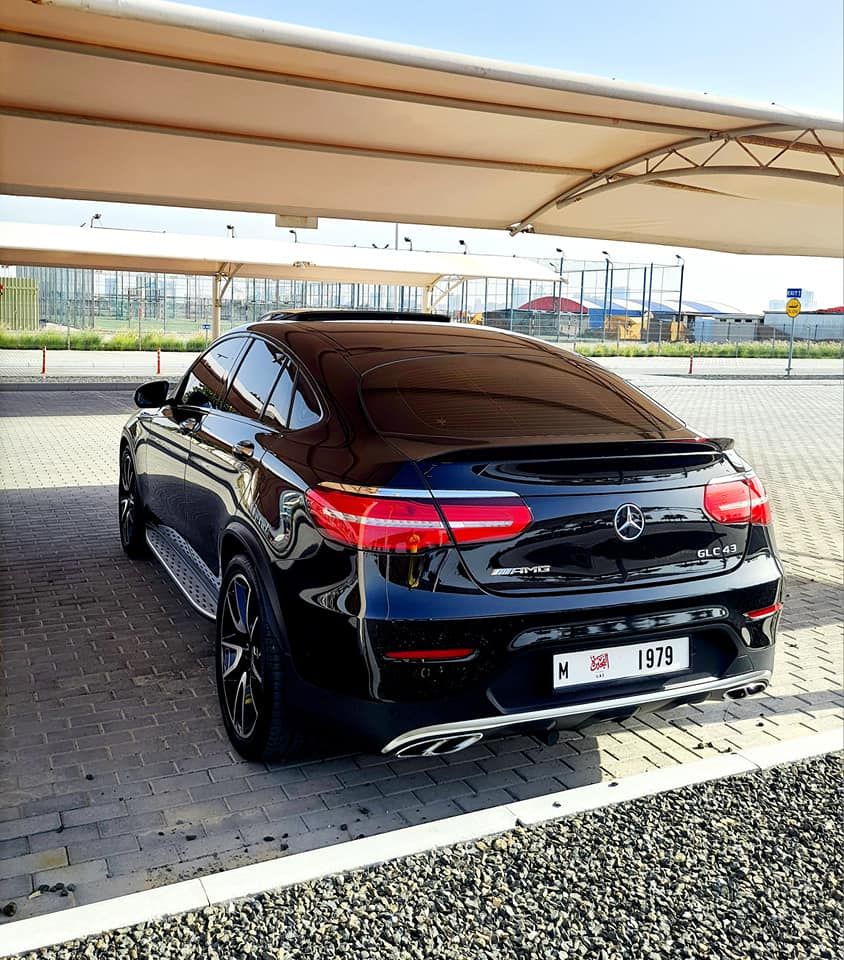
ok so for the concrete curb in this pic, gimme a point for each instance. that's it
(17, 386)
(37, 932)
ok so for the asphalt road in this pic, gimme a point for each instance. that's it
(134, 365)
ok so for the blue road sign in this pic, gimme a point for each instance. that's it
(206, 326)
(795, 292)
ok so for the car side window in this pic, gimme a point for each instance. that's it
(207, 379)
(278, 408)
(251, 385)
(305, 409)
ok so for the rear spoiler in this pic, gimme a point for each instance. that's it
(722, 443)
(692, 446)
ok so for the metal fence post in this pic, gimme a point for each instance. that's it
(580, 307)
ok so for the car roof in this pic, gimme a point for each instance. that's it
(353, 333)
(335, 314)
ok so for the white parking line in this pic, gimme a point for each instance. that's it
(92, 919)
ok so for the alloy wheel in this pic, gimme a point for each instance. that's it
(127, 500)
(240, 642)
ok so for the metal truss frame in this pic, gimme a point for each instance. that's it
(666, 164)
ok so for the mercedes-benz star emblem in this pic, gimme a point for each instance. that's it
(629, 521)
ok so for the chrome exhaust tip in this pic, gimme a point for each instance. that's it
(439, 746)
(739, 693)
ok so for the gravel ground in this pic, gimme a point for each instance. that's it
(740, 868)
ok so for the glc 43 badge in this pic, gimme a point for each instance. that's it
(713, 553)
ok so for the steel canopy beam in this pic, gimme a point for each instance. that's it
(620, 174)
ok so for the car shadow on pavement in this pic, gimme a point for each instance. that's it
(116, 761)
(65, 403)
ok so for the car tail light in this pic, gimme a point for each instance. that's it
(452, 653)
(760, 505)
(481, 521)
(407, 525)
(737, 501)
(764, 613)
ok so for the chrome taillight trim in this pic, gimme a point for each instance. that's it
(417, 494)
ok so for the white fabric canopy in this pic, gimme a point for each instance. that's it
(41, 245)
(153, 102)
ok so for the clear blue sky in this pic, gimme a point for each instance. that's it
(763, 50)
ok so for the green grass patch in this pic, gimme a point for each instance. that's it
(755, 349)
(35, 340)
(94, 340)
(91, 340)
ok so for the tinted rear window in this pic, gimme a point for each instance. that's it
(487, 397)
(279, 406)
(206, 382)
(254, 379)
(305, 409)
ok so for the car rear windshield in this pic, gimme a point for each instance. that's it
(486, 396)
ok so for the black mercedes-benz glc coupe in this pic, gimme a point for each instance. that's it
(421, 533)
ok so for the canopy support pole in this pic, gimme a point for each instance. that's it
(444, 294)
(216, 297)
(221, 280)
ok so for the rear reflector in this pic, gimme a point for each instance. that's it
(737, 501)
(454, 653)
(398, 525)
(764, 612)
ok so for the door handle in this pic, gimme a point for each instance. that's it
(243, 449)
(188, 425)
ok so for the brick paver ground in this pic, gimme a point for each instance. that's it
(115, 772)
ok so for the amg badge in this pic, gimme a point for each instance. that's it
(519, 571)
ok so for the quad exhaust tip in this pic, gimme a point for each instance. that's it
(440, 746)
(739, 693)
(454, 743)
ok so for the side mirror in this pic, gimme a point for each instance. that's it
(152, 394)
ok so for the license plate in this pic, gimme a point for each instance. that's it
(620, 663)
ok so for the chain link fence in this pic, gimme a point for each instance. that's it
(594, 307)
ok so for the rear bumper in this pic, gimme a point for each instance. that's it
(352, 687)
(397, 727)
(438, 738)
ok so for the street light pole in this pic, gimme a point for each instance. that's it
(560, 291)
(680, 295)
(607, 290)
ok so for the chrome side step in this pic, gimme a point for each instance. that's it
(187, 569)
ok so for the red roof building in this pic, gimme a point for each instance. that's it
(553, 304)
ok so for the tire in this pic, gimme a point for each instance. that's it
(130, 508)
(250, 669)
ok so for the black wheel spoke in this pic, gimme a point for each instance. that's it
(240, 656)
(232, 657)
(126, 498)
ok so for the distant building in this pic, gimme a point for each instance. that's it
(807, 301)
